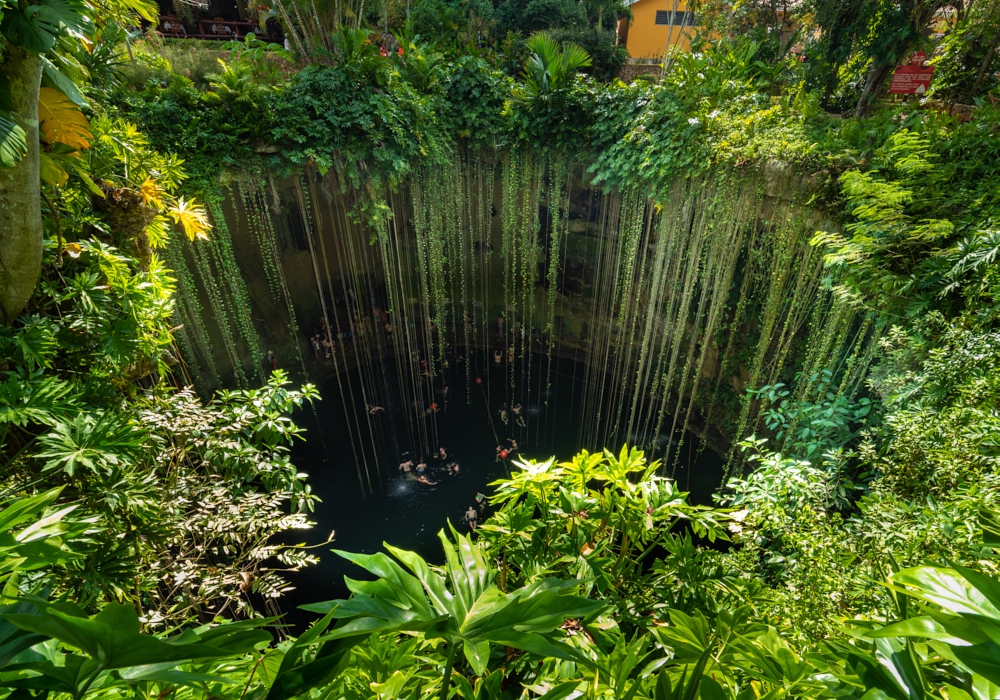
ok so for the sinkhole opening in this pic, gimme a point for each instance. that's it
(368, 499)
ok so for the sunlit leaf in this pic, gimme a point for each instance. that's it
(192, 217)
(60, 121)
(151, 192)
(62, 83)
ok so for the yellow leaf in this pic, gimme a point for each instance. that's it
(151, 192)
(60, 120)
(192, 217)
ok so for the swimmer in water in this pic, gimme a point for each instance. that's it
(472, 517)
(503, 414)
(453, 468)
(513, 445)
(517, 415)
(374, 409)
(442, 453)
(424, 480)
(421, 467)
(406, 466)
(480, 501)
(499, 448)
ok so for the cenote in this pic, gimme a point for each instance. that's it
(507, 282)
(408, 514)
(499, 350)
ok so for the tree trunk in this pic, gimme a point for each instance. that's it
(984, 69)
(20, 194)
(876, 76)
(920, 14)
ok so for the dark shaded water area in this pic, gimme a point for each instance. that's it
(367, 501)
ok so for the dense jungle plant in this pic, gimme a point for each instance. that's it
(812, 429)
(599, 518)
(169, 481)
(181, 498)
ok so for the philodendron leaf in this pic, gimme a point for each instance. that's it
(472, 612)
(983, 659)
(24, 28)
(167, 674)
(112, 637)
(62, 83)
(60, 121)
(13, 142)
(944, 587)
(73, 672)
(299, 672)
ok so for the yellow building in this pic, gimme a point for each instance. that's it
(657, 24)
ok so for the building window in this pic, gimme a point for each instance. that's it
(682, 18)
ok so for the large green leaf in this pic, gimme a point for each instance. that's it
(463, 607)
(112, 637)
(13, 143)
(13, 640)
(301, 671)
(983, 659)
(59, 81)
(65, 17)
(26, 29)
(71, 675)
(946, 588)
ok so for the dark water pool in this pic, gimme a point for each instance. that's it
(408, 514)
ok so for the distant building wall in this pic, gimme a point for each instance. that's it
(650, 31)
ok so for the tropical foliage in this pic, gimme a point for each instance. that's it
(853, 556)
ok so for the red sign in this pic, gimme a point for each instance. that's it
(913, 78)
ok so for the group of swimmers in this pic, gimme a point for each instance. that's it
(505, 452)
(418, 472)
(516, 410)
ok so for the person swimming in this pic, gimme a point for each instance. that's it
(374, 409)
(517, 415)
(513, 445)
(472, 518)
(406, 466)
(503, 414)
(497, 357)
(424, 480)
(442, 453)
(481, 501)
(421, 467)
(453, 468)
